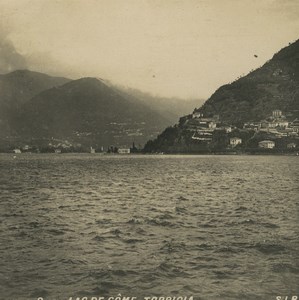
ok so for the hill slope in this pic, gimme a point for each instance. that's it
(273, 86)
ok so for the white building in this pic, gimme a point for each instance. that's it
(291, 145)
(124, 151)
(227, 129)
(253, 126)
(276, 113)
(197, 114)
(295, 125)
(92, 150)
(282, 123)
(235, 141)
(202, 136)
(16, 151)
(267, 144)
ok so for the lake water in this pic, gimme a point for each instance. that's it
(211, 227)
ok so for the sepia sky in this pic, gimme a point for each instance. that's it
(185, 48)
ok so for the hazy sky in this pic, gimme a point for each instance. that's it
(185, 48)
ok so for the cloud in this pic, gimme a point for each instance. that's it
(191, 47)
(10, 59)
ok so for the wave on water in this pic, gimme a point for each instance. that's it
(212, 227)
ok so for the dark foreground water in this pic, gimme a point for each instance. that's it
(211, 227)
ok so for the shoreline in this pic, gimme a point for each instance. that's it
(154, 154)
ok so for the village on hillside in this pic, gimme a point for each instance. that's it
(275, 132)
(197, 133)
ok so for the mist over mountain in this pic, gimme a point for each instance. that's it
(10, 59)
(170, 107)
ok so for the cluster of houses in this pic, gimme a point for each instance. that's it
(276, 126)
(204, 127)
(63, 146)
(58, 150)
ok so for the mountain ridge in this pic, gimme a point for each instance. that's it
(17, 88)
(26, 84)
(86, 111)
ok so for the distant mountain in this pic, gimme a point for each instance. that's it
(17, 88)
(89, 112)
(273, 86)
(172, 108)
(20, 86)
